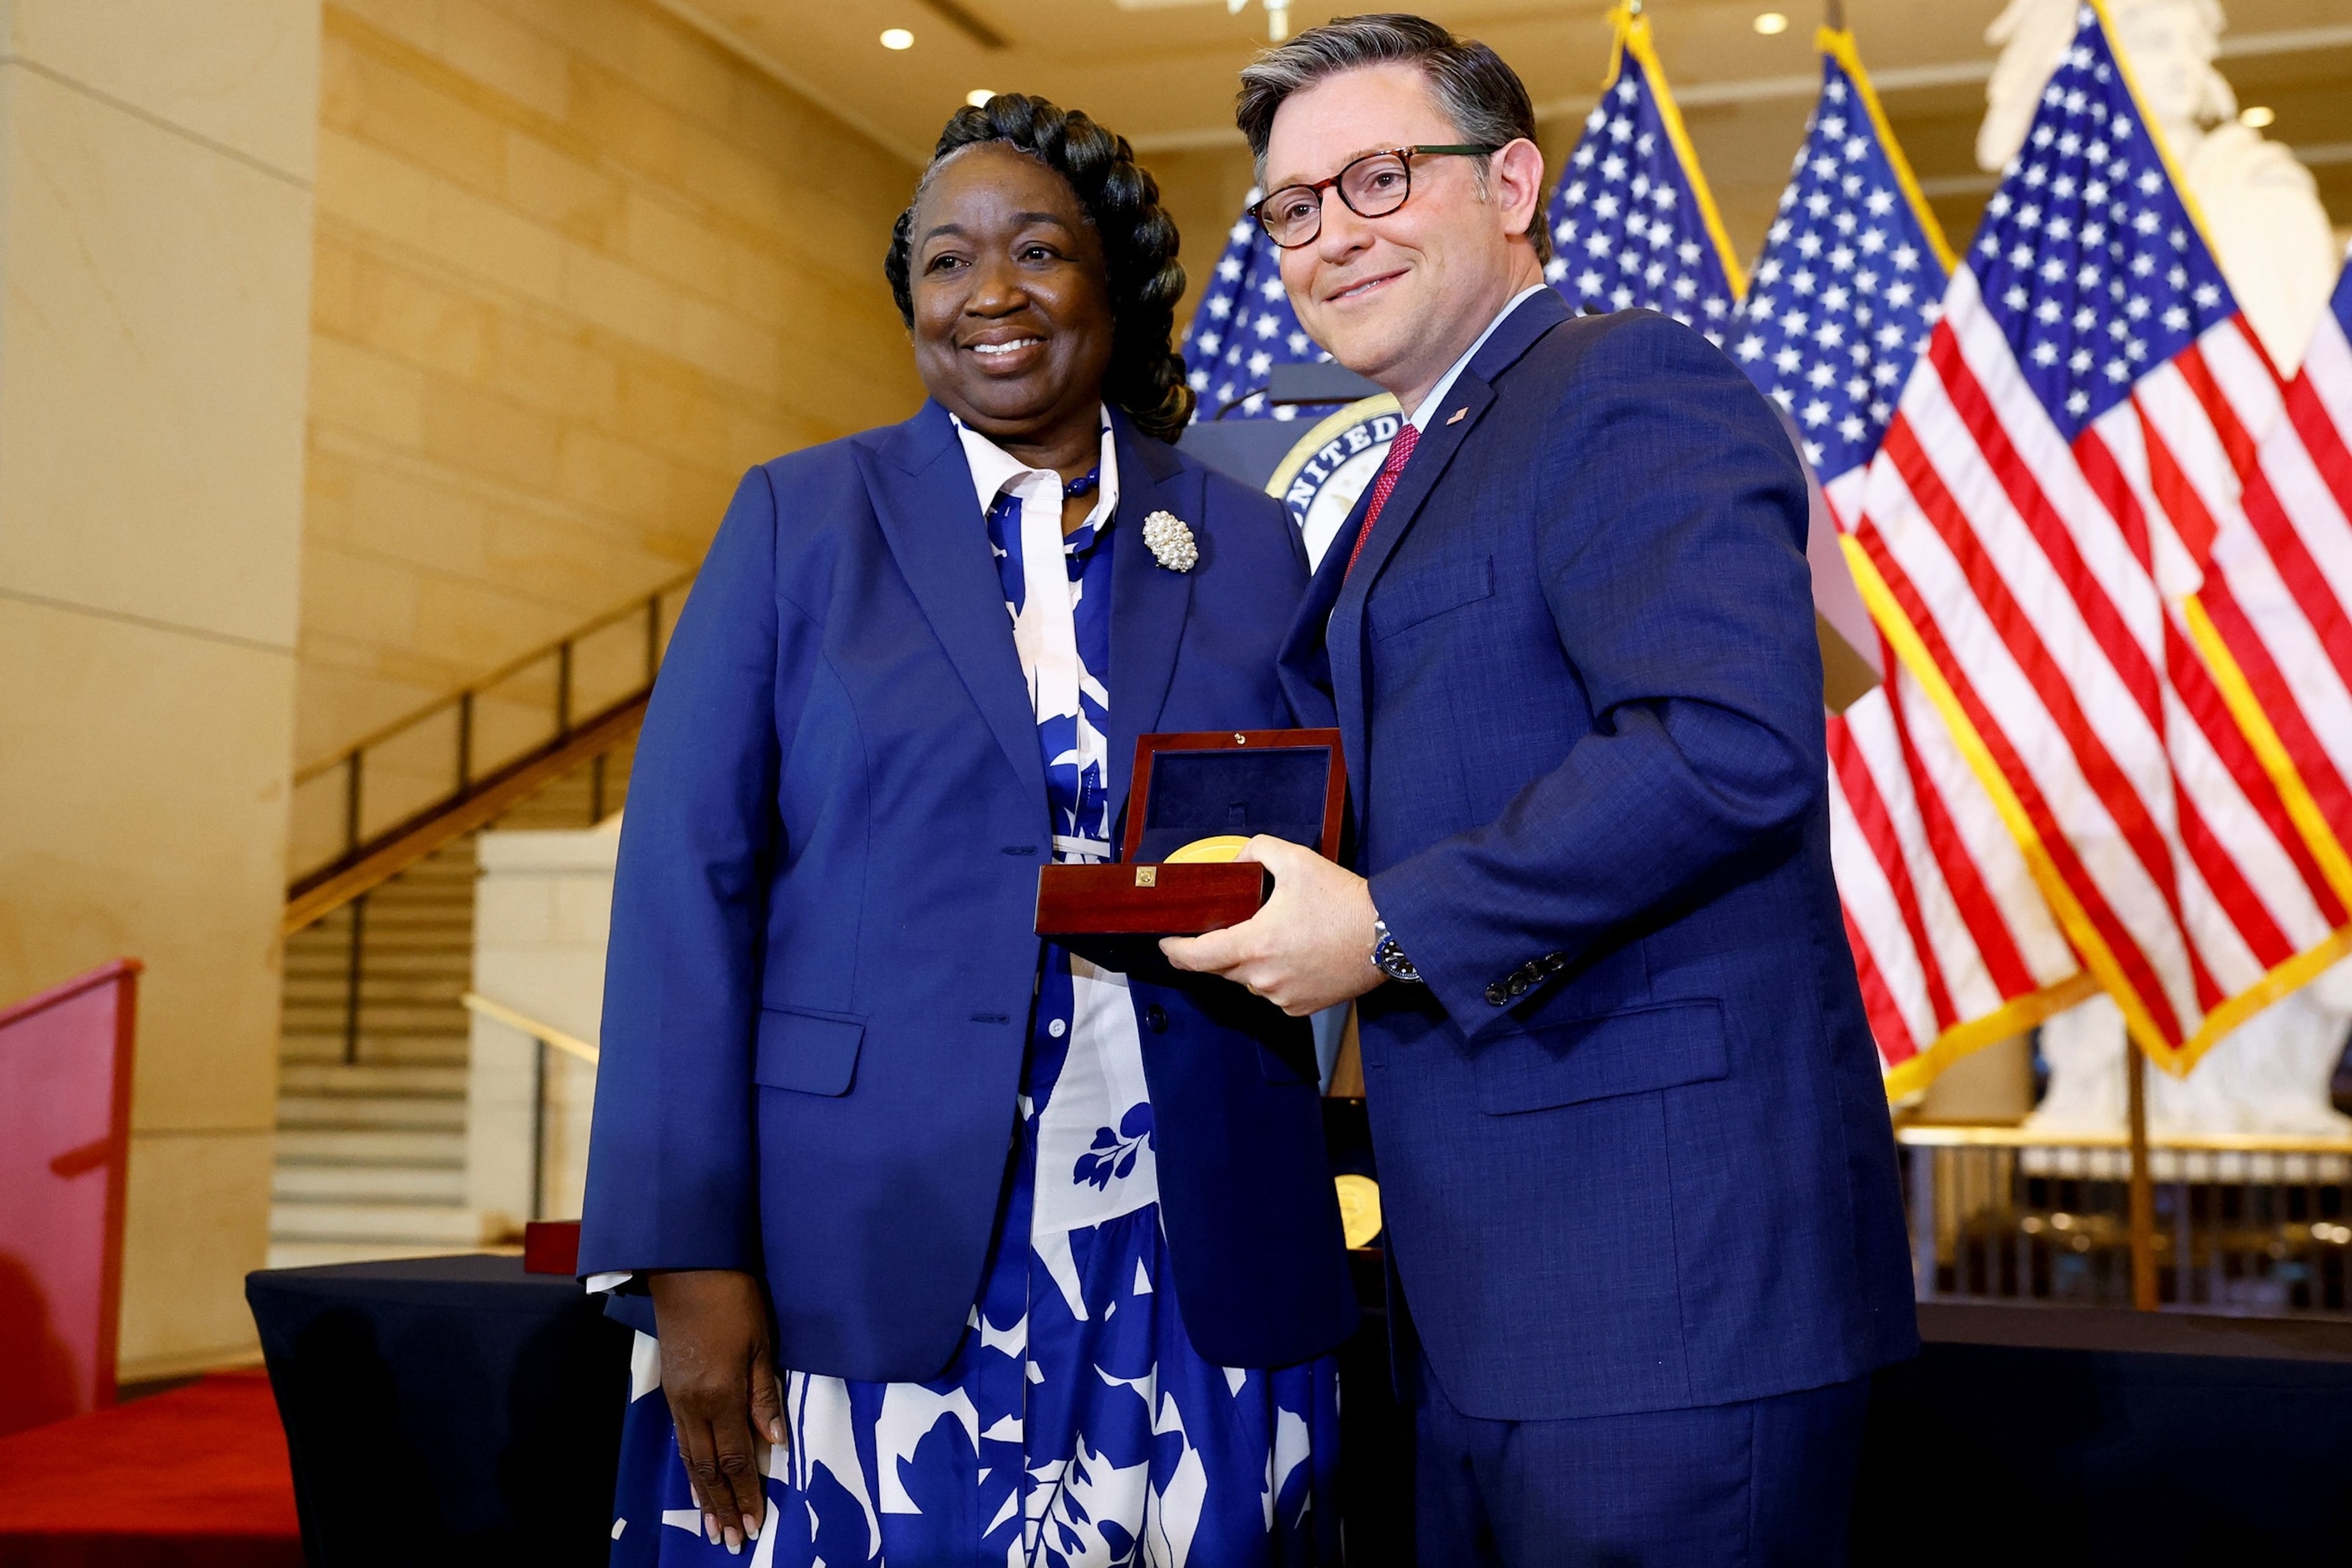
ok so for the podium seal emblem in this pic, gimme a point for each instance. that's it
(1318, 481)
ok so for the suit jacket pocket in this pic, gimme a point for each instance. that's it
(1428, 593)
(814, 1053)
(1632, 1052)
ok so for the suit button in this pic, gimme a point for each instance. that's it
(1155, 1018)
(1497, 994)
(1554, 962)
(1519, 984)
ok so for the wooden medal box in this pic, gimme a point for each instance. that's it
(1216, 785)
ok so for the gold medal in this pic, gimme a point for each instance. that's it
(1204, 851)
(1360, 1208)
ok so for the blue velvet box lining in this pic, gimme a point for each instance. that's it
(1279, 790)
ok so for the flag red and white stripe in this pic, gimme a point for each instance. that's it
(1955, 945)
(2280, 576)
(1953, 942)
(2050, 494)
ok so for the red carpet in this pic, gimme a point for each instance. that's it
(195, 1478)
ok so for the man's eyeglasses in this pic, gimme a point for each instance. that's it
(1374, 185)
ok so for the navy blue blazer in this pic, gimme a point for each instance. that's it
(822, 953)
(1633, 1151)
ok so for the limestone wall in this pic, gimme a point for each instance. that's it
(577, 269)
(155, 162)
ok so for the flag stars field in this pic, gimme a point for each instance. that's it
(1837, 313)
(1243, 328)
(2088, 244)
(1630, 223)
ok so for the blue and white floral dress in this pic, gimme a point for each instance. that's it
(1076, 1428)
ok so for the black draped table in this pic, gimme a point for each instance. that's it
(457, 1410)
(445, 1410)
(2082, 1438)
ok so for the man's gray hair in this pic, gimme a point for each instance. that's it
(1481, 96)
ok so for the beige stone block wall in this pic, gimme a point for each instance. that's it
(155, 161)
(1202, 189)
(577, 269)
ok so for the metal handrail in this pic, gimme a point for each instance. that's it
(362, 859)
(524, 1023)
(504, 673)
(1959, 1135)
(2247, 1223)
(542, 1035)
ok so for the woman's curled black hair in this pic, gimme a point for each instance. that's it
(1139, 240)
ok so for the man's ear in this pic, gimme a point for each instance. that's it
(1516, 175)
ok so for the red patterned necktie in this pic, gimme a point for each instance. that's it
(1384, 485)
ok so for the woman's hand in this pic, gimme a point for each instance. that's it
(719, 1375)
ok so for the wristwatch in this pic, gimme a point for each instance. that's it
(1388, 958)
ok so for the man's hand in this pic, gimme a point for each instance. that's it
(1309, 948)
(719, 1376)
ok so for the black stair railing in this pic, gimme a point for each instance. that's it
(451, 766)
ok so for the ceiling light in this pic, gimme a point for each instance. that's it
(1771, 22)
(2255, 115)
(978, 96)
(898, 38)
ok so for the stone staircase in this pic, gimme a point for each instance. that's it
(370, 1158)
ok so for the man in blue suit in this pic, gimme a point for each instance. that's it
(1634, 1157)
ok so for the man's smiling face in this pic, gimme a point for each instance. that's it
(1385, 294)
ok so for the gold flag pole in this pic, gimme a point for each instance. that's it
(2143, 1186)
(1834, 15)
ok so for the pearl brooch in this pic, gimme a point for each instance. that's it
(1171, 542)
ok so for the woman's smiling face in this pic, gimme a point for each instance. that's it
(1012, 297)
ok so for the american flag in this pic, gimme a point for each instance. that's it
(1954, 945)
(1632, 222)
(1244, 327)
(1849, 284)
(1953, 942)
(2280, 578)
(2044, 502)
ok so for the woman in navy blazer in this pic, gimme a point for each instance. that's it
(957, 1242)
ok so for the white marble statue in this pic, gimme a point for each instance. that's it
(2260, 206)
(2269, 1075)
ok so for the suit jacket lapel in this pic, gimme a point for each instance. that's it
(1305, 662)
(1430, 458)
(1148, 602)
(924, 501)
(1465, 402)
